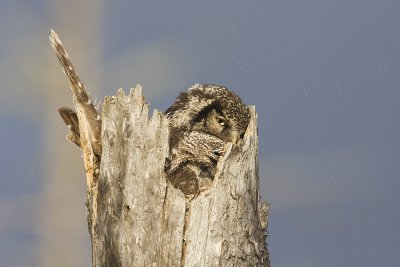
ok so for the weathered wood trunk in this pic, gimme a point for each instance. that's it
(137, 218)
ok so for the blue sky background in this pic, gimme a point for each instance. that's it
(324, 76)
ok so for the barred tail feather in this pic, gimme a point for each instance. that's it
(83, 104)
(70, 119)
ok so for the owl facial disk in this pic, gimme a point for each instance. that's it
(216, 122)
(219, 125)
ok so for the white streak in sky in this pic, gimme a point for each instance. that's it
(239, 65)
(379, 69)
(233, 29)
(305, 90)
(339, 87)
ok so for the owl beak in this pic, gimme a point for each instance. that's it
(235, 137)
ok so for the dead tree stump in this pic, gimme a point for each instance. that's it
(137, 218)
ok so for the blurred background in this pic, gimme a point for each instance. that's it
(324, 76)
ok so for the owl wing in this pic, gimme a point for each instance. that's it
(193, 159)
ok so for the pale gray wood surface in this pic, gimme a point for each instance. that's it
(137, 218)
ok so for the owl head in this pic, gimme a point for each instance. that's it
(212, 109)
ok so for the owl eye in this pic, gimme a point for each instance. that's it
(221, 122)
